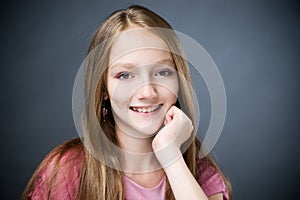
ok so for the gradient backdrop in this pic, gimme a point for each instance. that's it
(254, 43)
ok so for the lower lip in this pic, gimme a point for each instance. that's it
(147, 113)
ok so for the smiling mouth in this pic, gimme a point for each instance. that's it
(145, 109)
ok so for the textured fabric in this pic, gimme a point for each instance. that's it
(210, 180)
(66, 183)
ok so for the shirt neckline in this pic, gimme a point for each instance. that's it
(129, 180)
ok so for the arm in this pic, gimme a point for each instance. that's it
(183, 183)
(177, 130)
(218, 196)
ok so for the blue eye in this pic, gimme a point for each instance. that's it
(124, 76)
(164, 72)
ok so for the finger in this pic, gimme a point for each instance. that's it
(168, 119)
(172, 114)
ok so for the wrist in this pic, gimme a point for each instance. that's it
(168, 155)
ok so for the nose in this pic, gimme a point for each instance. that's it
(147, 91)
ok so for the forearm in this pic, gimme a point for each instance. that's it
(183, 183)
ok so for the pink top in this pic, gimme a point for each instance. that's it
(210, 181)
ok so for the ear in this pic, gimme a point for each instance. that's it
(105, 95)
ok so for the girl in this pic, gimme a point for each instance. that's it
(138, 137)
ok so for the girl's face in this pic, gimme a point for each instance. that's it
(142, 82)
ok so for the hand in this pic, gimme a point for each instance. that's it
(177, 129)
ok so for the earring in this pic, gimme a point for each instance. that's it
(104, 111)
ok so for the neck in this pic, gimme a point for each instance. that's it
(138, 153)
(134, 144)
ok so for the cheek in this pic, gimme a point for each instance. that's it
(169, 89)
(169, 97)
(119, 93)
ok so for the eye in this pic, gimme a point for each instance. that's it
(124, 76)
(164, 72)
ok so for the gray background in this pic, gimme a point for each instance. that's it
(255, 44)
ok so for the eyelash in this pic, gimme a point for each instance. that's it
(169, 72)
(121, 75)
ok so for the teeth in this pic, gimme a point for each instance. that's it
(145, 110)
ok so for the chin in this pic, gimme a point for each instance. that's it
(148, 129)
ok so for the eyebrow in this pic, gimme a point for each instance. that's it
(128, 66)
(167, 61)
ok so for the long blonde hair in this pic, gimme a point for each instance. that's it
(96, 180)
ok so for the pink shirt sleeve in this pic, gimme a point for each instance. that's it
(210, 180)
(65, 185)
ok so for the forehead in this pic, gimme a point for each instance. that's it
(138, 45)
